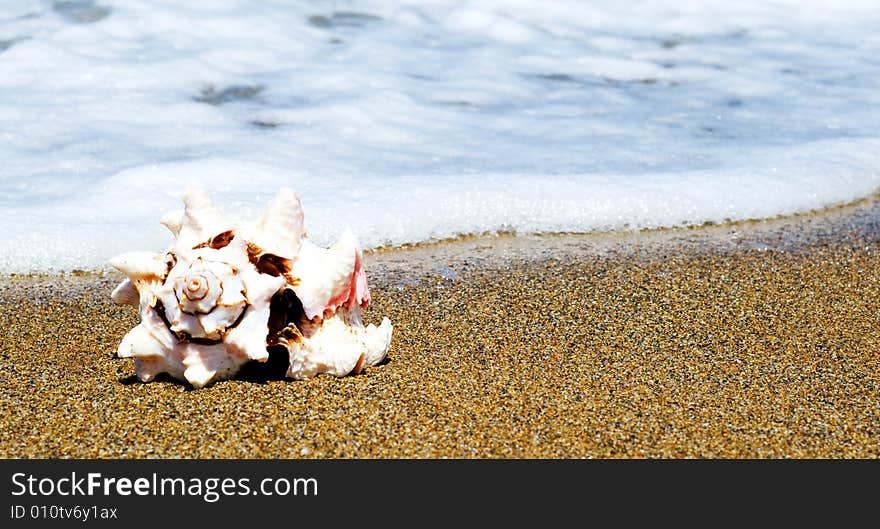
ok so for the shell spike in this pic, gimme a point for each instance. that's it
(125, 294)
(280, 229)
(172, 221)
(140, 265)
(346, 243)
(201, 219)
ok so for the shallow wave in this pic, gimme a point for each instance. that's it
(412, 121)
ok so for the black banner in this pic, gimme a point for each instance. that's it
(61, 493)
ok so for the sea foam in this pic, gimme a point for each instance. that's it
(412, 121)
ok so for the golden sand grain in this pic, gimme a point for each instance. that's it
(760, 343)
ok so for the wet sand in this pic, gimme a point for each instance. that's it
(749, 340)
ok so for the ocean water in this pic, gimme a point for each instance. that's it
(419, 120)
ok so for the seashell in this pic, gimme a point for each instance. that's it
(222, 295)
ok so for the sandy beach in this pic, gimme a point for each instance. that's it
(749, 340)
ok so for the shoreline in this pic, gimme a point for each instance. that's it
(750, 339)
(795, 229)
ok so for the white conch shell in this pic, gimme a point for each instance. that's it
(221, 296)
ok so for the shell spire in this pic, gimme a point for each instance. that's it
(222, 296)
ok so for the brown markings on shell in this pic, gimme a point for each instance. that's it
(253, 252)
(170, 261)
(221, 240)
(160, 310)
(271, 264)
